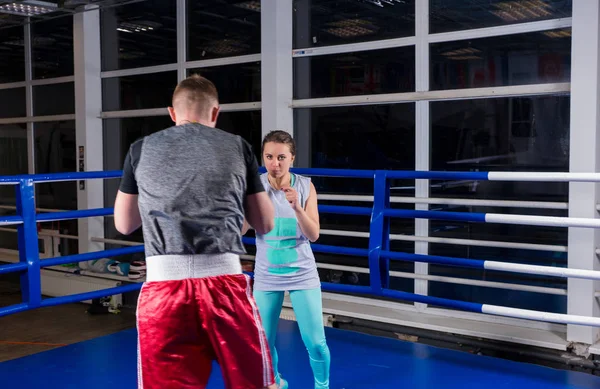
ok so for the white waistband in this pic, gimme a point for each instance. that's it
(179, 267)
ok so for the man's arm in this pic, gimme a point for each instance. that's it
(127, 213)
(245, 227)
(259, 210)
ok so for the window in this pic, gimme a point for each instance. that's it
(55, 152)
(501, 134)
(52, 48)
(359, 137)
(12, 55)
(217, 29)
(326, 22)
(236, 83)
(54, 99)
(139, 34)
(359, 73)
(13, 156)
(13, 103)
(451, 15)
(531, 58)
(13, 161)
(119, 134)
(138, 92)
(246, 124)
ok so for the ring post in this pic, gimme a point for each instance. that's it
(378, 275)
(28, 243)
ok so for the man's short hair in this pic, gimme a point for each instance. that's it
(196, 90)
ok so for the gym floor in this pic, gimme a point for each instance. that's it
(43, 329)
(70, 348)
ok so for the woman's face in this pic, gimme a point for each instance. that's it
(277, 159)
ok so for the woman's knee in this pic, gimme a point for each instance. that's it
(318, 350)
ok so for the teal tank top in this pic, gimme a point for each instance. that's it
(284, 258)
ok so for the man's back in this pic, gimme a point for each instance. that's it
(192, 182)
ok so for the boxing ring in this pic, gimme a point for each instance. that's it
(358, 360)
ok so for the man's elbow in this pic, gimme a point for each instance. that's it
(123, 227)
(266, 227)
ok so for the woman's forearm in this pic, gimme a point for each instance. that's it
(309, 227)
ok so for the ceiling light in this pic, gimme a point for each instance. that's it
(379, 2)
(226, 47)
(141, 26)
(558, 34)
(351, 28)
(28, 8)
(464, 57)
(466, 50)
(347, 32)
(513, 11)
(250, 5)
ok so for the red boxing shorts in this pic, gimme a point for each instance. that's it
(193, 310)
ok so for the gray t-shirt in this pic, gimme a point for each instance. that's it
(192, 183)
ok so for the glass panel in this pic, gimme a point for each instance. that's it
(218, 29)
(13, 157)
(236, 83)
(452, 15)
(13, 103)
(119, 134)
(360, 73)
(45, 101)
(52, 48)
(532, 58)
(501, 134)
(139, 34)
(327, 22)
(12, 55)
(359, 137)
(55, 152)
(13, 161)
(138, 92)
(246, 124)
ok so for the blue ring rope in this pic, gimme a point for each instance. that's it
(27, 264)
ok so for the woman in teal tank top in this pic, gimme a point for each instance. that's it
(284, 258)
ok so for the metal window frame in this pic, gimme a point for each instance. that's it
(451, 36)
(437, 95)
(422, 96)
(583, 145)
(422, 141)
(135, 113)
(28, 84)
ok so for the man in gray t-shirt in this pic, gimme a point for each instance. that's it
(189, 187)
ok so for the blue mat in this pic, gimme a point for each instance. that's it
(358, 362)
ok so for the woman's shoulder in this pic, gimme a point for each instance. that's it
(303, 183)
(302, 178)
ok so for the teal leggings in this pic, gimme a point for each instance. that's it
(308, 309)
